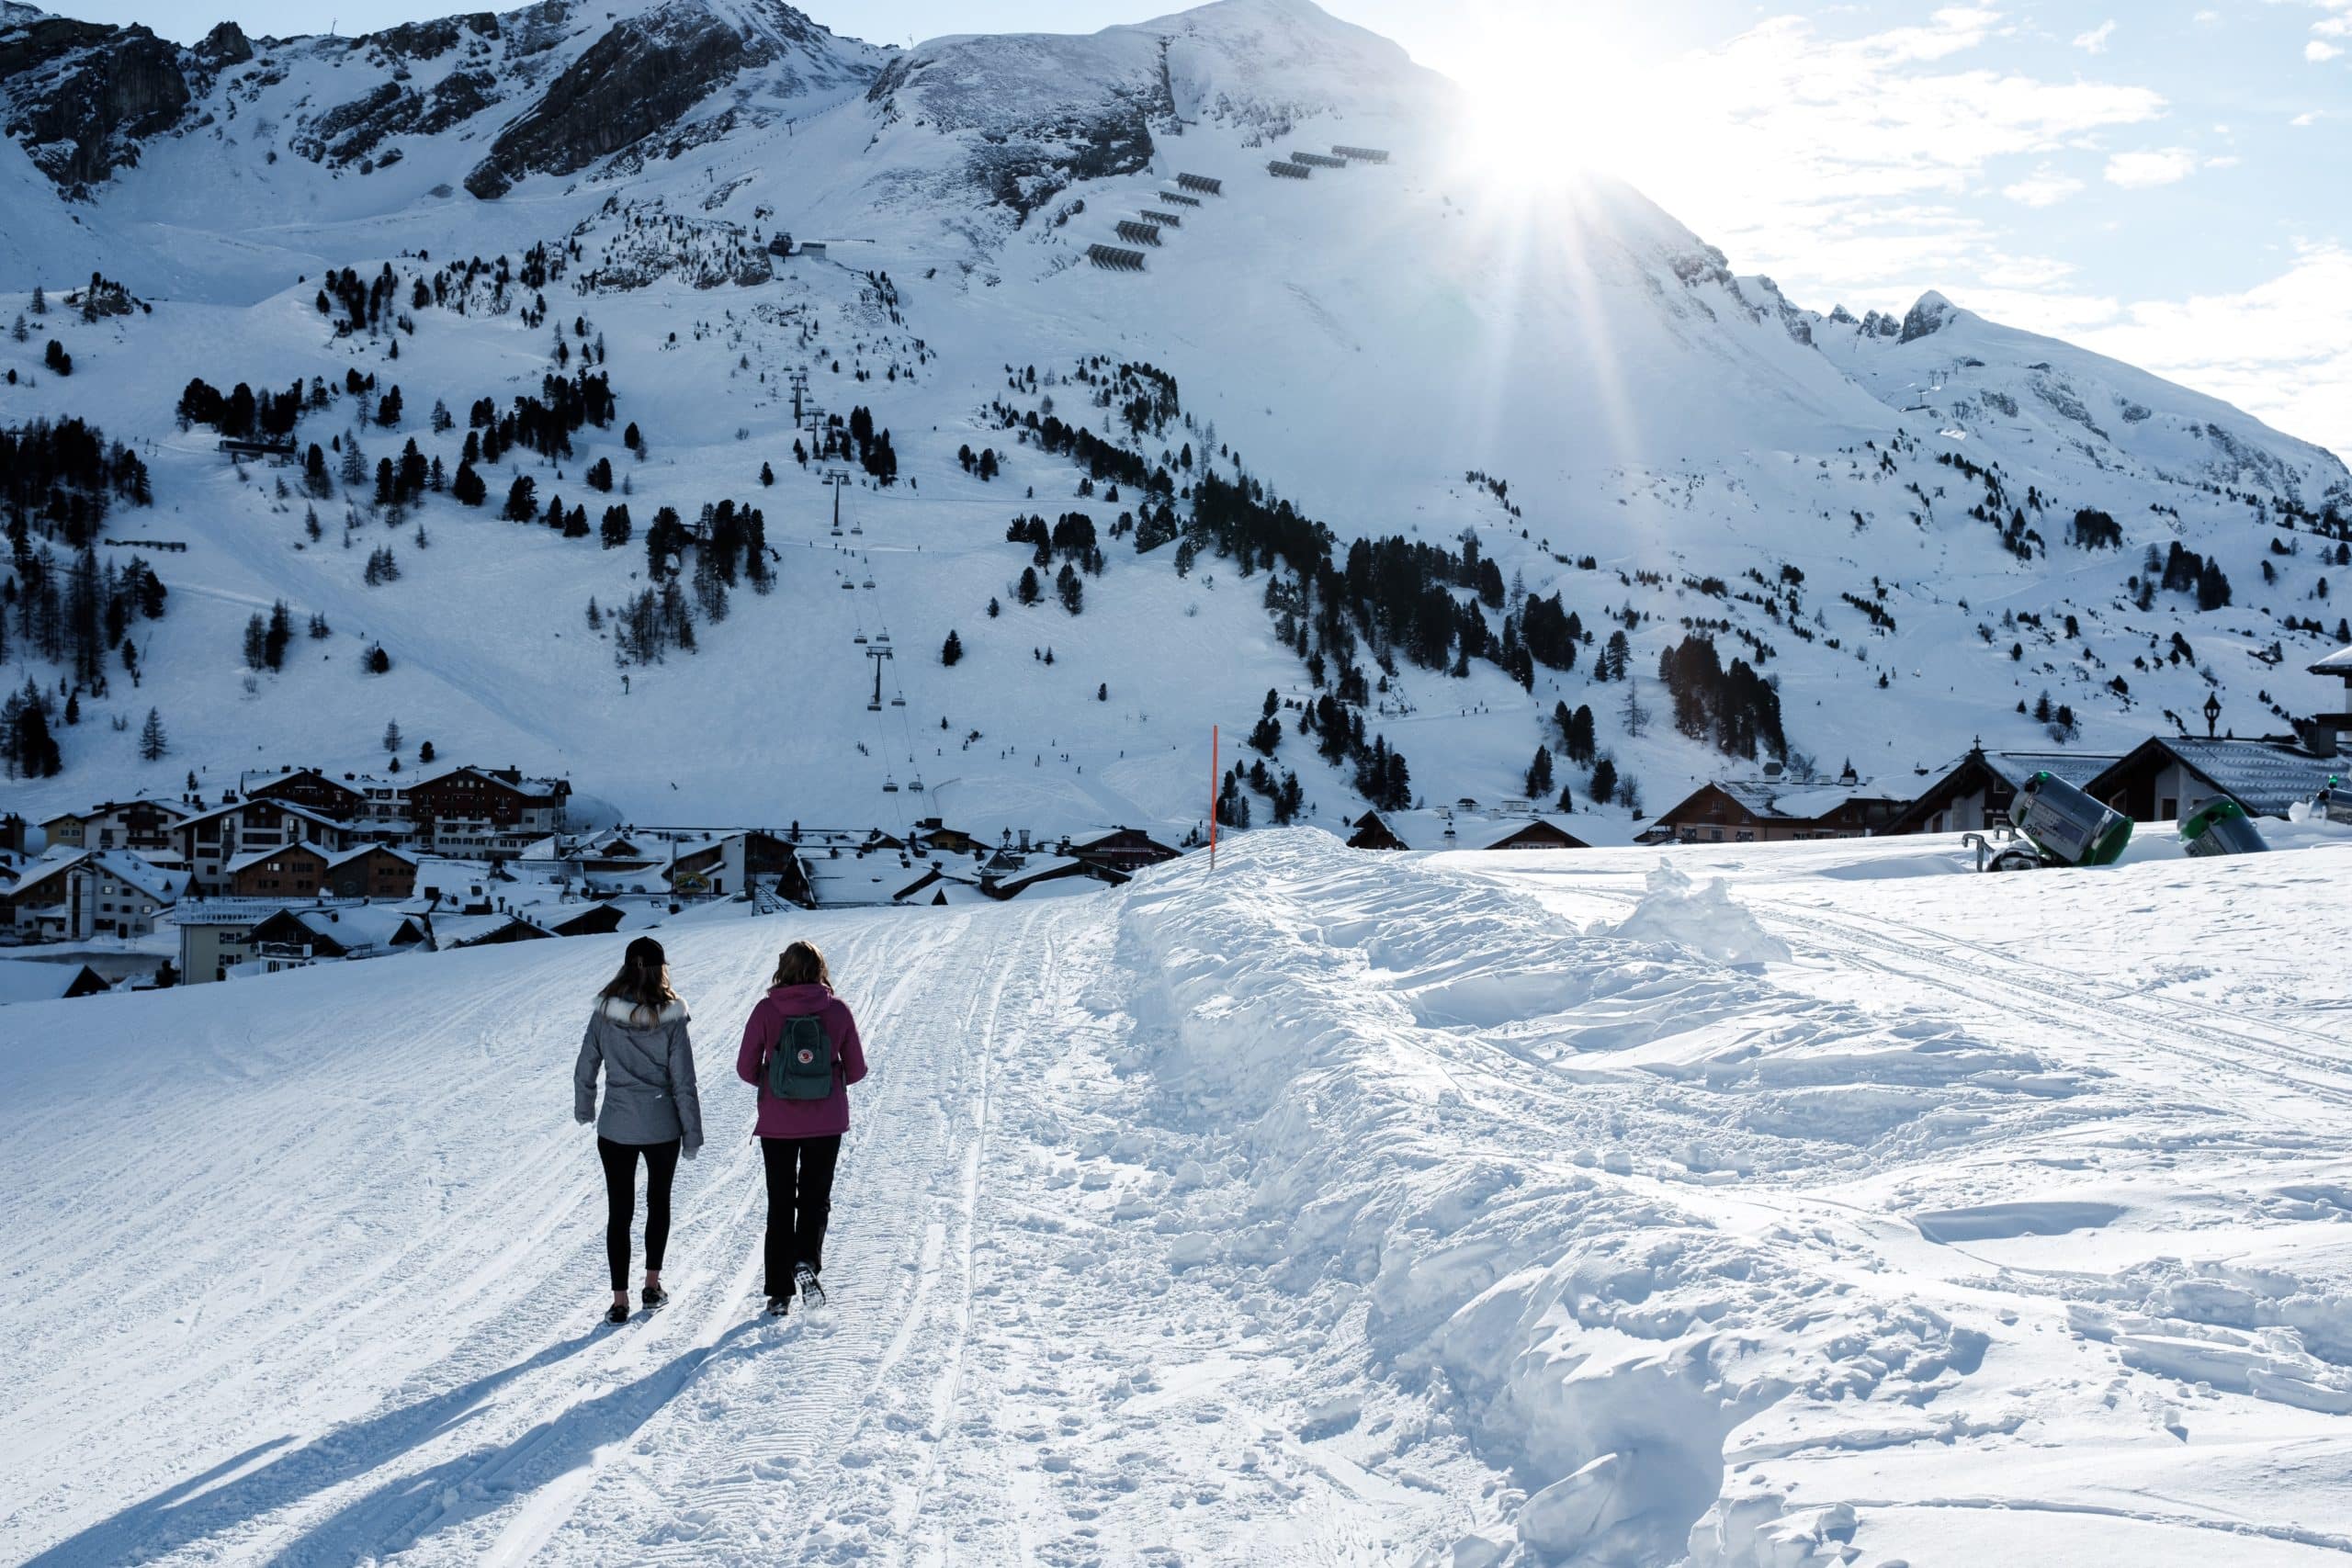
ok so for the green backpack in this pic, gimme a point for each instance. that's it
(801, 1066)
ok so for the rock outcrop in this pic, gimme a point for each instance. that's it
(80, 95)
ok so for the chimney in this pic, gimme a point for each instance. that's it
(2319, 734)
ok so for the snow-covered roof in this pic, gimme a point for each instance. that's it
(274, 804)
(2336, 663)
(255, 857)
(262, 779)
(2264, 776)
(164, 884)
(244, 911)
(41, 870)
(367, 849)
(545, 788)
(1797, 802)
(354, 927)
(2076, 768)
(462, 931)
(33, 980)
(1440, 829)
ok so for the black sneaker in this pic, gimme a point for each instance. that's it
(811, 1290)
(779, 1306)
(616, 1313)
(655, 1295)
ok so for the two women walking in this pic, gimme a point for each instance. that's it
(800, 1051)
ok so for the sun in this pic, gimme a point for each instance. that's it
(1549, 96)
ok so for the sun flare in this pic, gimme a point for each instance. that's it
(1548, 99)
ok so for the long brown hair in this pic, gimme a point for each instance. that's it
(802, 964)
(644, 980)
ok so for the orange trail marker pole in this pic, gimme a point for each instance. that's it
(1213, 783)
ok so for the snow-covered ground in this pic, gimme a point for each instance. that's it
(1327, 1206)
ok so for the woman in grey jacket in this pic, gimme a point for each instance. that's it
(637, 1036)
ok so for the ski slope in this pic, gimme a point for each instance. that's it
(1326, 1207)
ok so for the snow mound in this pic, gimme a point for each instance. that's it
(1704, 919)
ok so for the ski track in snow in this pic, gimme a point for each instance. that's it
(1334, 1208)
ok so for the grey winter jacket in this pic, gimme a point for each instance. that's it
(649, 1096)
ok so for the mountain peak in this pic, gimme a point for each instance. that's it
(1930, 314)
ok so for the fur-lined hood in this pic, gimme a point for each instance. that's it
(622, 1013)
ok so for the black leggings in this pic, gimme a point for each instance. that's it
(800, 1199)
(620, 1202)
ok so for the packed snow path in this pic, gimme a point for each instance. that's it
(1341, 1208)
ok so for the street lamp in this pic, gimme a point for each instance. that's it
(2212, 714)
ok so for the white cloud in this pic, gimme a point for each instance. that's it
(2308, 117)
(2096, 40)
(2044, 187)
(2227, 160)
(2163, 166)
(1820, 153)
(2281, 350)
(2320, 53)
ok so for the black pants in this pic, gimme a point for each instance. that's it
(620, 1202)
(800, 1199)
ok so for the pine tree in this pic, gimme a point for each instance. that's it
(1028, 592)
(1072, 588)
(377, 661)
(151, 744)
(424, 752)
(1539, 773)
(1604, 787)
(393, 735)
(256, 643)
(952, 650)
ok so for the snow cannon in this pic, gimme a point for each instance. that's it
(2068, 826)
(2333, 803)
(2221, 827)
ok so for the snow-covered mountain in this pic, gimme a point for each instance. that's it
(1879, 515)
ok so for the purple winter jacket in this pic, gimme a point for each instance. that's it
(801, 1118)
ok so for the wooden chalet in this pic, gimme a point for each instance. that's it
(208, 842)
(492, 809)
(311, 789)
(2169, 776)
(1123, 851)
(143, 825)
(1975, 792)
(1745, 811)
(283, 871)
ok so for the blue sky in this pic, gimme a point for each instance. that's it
(2166, 180)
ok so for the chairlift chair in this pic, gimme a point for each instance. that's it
(897, 702)
(859, 639)
(889, 785)
(915, 783)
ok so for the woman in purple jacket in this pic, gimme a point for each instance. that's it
(801, 1138)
